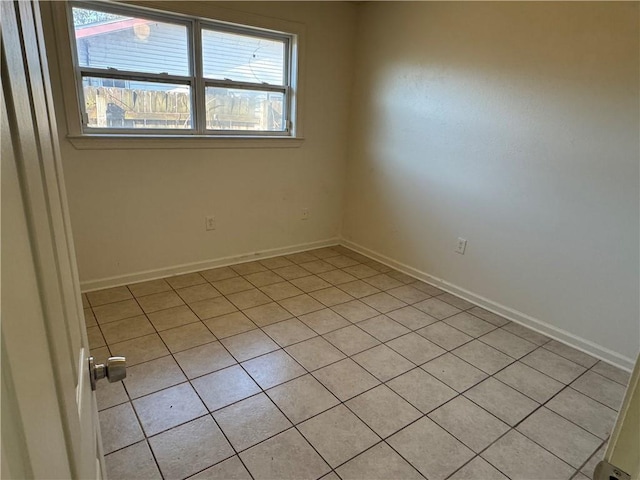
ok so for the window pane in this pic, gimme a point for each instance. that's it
(115, 103)
(235, 109)
(242, 58)
(106, 40)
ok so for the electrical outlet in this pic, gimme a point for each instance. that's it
(461, 246)
(210, 223)
(305, 214)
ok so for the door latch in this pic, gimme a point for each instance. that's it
(115, 370)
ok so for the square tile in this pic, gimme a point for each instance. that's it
(159, 301)
(134, 462)
(436, 308)
(338, 435)
(426, 288)
(589, 468)
(532, 383)
(351, 340)
(208, 358)
(150, 287)
(230, 469)
(555, 366)
(561, 437)
(249, 344)
(383, 363)
(401, 277)
(526, 333)
(503, 401)
(280, 291)
(324, 321)
(248, 299)
(408, 294)
(337, 277)
(229, 324)
(248, 268)
(301, 304)
(172, 317)
(456, 373)
(345, 379)
(198, 292)
(518, 457)
(361, 271)
(601, 389)
(289, 332)
(423, 391)
(355, 311)
(383, 302)
(276, 262)
(613, 373)
(415, 348)
(212, 307)
(469, 423)
(285, 456)
(168, 408)
(185, 280)
(443, 335)
(187, 336)
(383, 328)
(324, 252)
(217, 274)
(383, 410)
(267, 314)
(317, 266)
(85, 301)
(111, 394)
(455, 301)
(572, 354)
(189, 448)
(251, 421)
(508, 343)
(261, 279)
(95, 338)
(117, 311)
(273, 369)
(224, 387)
(152, 376)
(412, 318)
(141, 349)
(446, 454)
(108, 295)
(315, 353)
(469, 324)
(584, 411)
(358, 289)
(480, 355)
(331, 296)
(302, 398)
(302, 257)
(89, 318)
(291, 272)
(380, 462)
(383, 282)
(478, 469)
(119, 427)
(232, 285)
(310, 283)
(488, 316)
(341, 261)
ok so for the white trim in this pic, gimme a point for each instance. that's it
(539, 326)
(143, 276)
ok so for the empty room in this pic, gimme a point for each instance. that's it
(302, 240)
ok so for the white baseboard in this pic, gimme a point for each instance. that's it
(540, 326)
(143, 276)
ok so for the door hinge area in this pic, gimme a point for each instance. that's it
(605, 471)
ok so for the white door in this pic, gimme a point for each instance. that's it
(49, 413)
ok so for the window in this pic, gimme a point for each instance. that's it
(143, 72)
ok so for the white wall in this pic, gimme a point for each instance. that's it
(514, 125)
(139, 210)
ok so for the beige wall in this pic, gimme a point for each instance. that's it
(140, 210)
(515, 126)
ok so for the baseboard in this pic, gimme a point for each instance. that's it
(143, 276)
(540, 326)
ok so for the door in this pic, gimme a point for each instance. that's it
(49, 412)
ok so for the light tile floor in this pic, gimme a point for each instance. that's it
(328, 364)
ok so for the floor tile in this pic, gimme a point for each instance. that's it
(261, 279)
(351, 340)
(446, 454)
(456, 373)
(224, 387)
(324, 321)
(555, 366)
(383, 362)
(401, 277)
(380, 462)
(601, 389)
(204, 359)
(289, 331)
(411, 317)
(280, 291)
(337, 277)
(187, 336)
(229, 324)
(584, 411)
(341, 261)
(248, 268)
(488, 316)
(185, 280)
(383, 282)
(383, 328)
(360, 271)
(437, 308)
(355, 311)
(301, 304)
(89, 317)
(383, 410)
(108, 295)
(426, 288)
(285, 456)
(589, 467)
(358, 289)
(317, 266)
(561, 437)
(291, 272)
(100, 354)
(232, 285)
(230, 469)
(422, 390)
(315, 353)
(478, 469)
(95, 338)
(133, 463)
(508, 343)
(117, 311)
(248, 299)
(212, 307)
(267, 314)
(119, 427)
(408, 294)
(276, 262)
(249, 344)
(159, 301)
(443, 335)
(302, 257)
(126, 329)
(310, 283)
(338, 435)
(570, 353)
(168, 408)
(172, 317)
(345, 379)
(324, 252)
(152, 376)
(383, 302)
(198, 292)
(251, 421)
(482, 356)
(218, 274)
(141, 349)
(416, 348)
(529, 381)
(455, 301)
(469, 324)
(469, 423)
(613, 373)
(111, 394)
(189, 448)
(273, 369)
(503, 401)
(518, 457)
(331, 296)
(302, 398)
(149, 288)
(85, 301)
(526, 333)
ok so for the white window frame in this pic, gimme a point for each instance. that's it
(84, 137)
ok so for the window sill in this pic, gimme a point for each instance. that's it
(130, 142)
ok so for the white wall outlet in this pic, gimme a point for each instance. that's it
(304, 215)
(461, 245)
(210, 223)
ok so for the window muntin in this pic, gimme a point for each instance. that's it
(169, 74)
